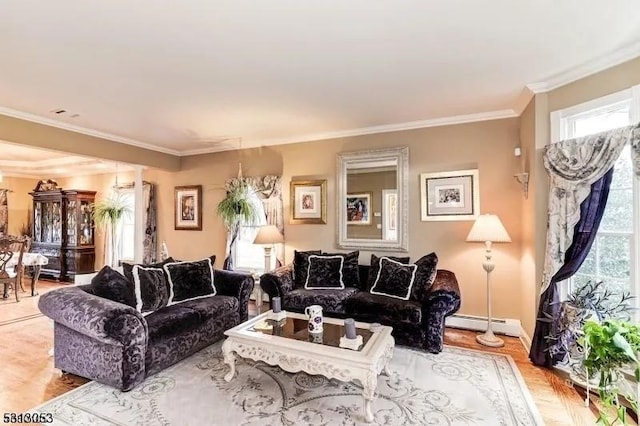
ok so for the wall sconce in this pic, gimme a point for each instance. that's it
(523, 180)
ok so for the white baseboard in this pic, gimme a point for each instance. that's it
(525, 339)
(508, 326)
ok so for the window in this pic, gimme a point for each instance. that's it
(248, 256)
(126, 226)
(614, 255)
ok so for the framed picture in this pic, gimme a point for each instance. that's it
(389, 214)
(188, 208)
(308, 202)
(359, 209)
(450, 195)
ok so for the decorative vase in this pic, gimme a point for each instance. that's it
(314, 314)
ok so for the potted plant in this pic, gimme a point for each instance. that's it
(107, 213)
(592, 300)
(610, 348)
(237, 209)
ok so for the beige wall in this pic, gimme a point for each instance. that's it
(485, 145)
(19, 201)
(611, 80)
(36, 135)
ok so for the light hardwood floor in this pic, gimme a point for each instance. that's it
(27, 376)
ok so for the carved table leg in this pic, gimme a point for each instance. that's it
(34, 280)
(386, 371)
(229, 359)
(369, 384)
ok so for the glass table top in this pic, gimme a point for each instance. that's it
(297, 329)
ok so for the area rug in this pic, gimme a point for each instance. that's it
(456, 387)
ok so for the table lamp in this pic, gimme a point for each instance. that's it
(488, 229)
(267, 236)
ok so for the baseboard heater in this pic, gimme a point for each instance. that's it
(510, 327)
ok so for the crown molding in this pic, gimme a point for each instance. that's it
(83, 130)
(570, 75)
(410, 125)
(523, 100)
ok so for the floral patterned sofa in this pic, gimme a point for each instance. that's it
(114, 343)
(418, 321)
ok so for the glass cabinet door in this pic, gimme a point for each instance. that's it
(86, 223)
(72, 226)
(37, 222)
(56, 222)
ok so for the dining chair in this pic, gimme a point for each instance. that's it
(11, 267)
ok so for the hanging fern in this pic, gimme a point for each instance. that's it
(237, 208)
(109, 211)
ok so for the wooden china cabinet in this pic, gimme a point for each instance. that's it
(63, 230)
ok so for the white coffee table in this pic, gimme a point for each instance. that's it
(288, 346)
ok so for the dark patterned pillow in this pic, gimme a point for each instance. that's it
(325, 272)
(350, 272)
(112, 285)
(394, 279)
(190, 280)
(375, 267)
(127, 268)
(425, 275)
(151, 288)
(301, 266)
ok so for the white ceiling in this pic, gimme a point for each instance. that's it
(22, 161)
(196, 75)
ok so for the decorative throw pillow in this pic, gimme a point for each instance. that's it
(425, 275)
(394, 279)
(350, 272)
(112, 285)
(375, 267)
(325, 272)
(151, 288)
(127, 268)
(301, 266)
(190, 280)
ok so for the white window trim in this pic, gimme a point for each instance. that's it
(558, 132)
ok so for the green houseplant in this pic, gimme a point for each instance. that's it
(237, 209)
(591, 300)
(611, 347)
(107, 213)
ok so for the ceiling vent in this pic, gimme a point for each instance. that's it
(64, 113)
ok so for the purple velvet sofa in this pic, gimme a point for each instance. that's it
(417, 322)
(113, 343)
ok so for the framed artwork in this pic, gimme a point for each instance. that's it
(188, 208)
(359, 208)
(308, 202)
(389, 214)
(450, 195)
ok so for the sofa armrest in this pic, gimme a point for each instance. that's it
(443, 300)
(445, 284)
(94, 316)
(235, 284)
(277, 282)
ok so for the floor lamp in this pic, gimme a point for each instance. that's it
(267, 236)
(488, 229)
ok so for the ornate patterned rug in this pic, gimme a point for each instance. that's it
(456, 387)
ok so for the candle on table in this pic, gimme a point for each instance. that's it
(350, 328)
(275, 305)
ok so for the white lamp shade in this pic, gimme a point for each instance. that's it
(488, 227)
(268, 234)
